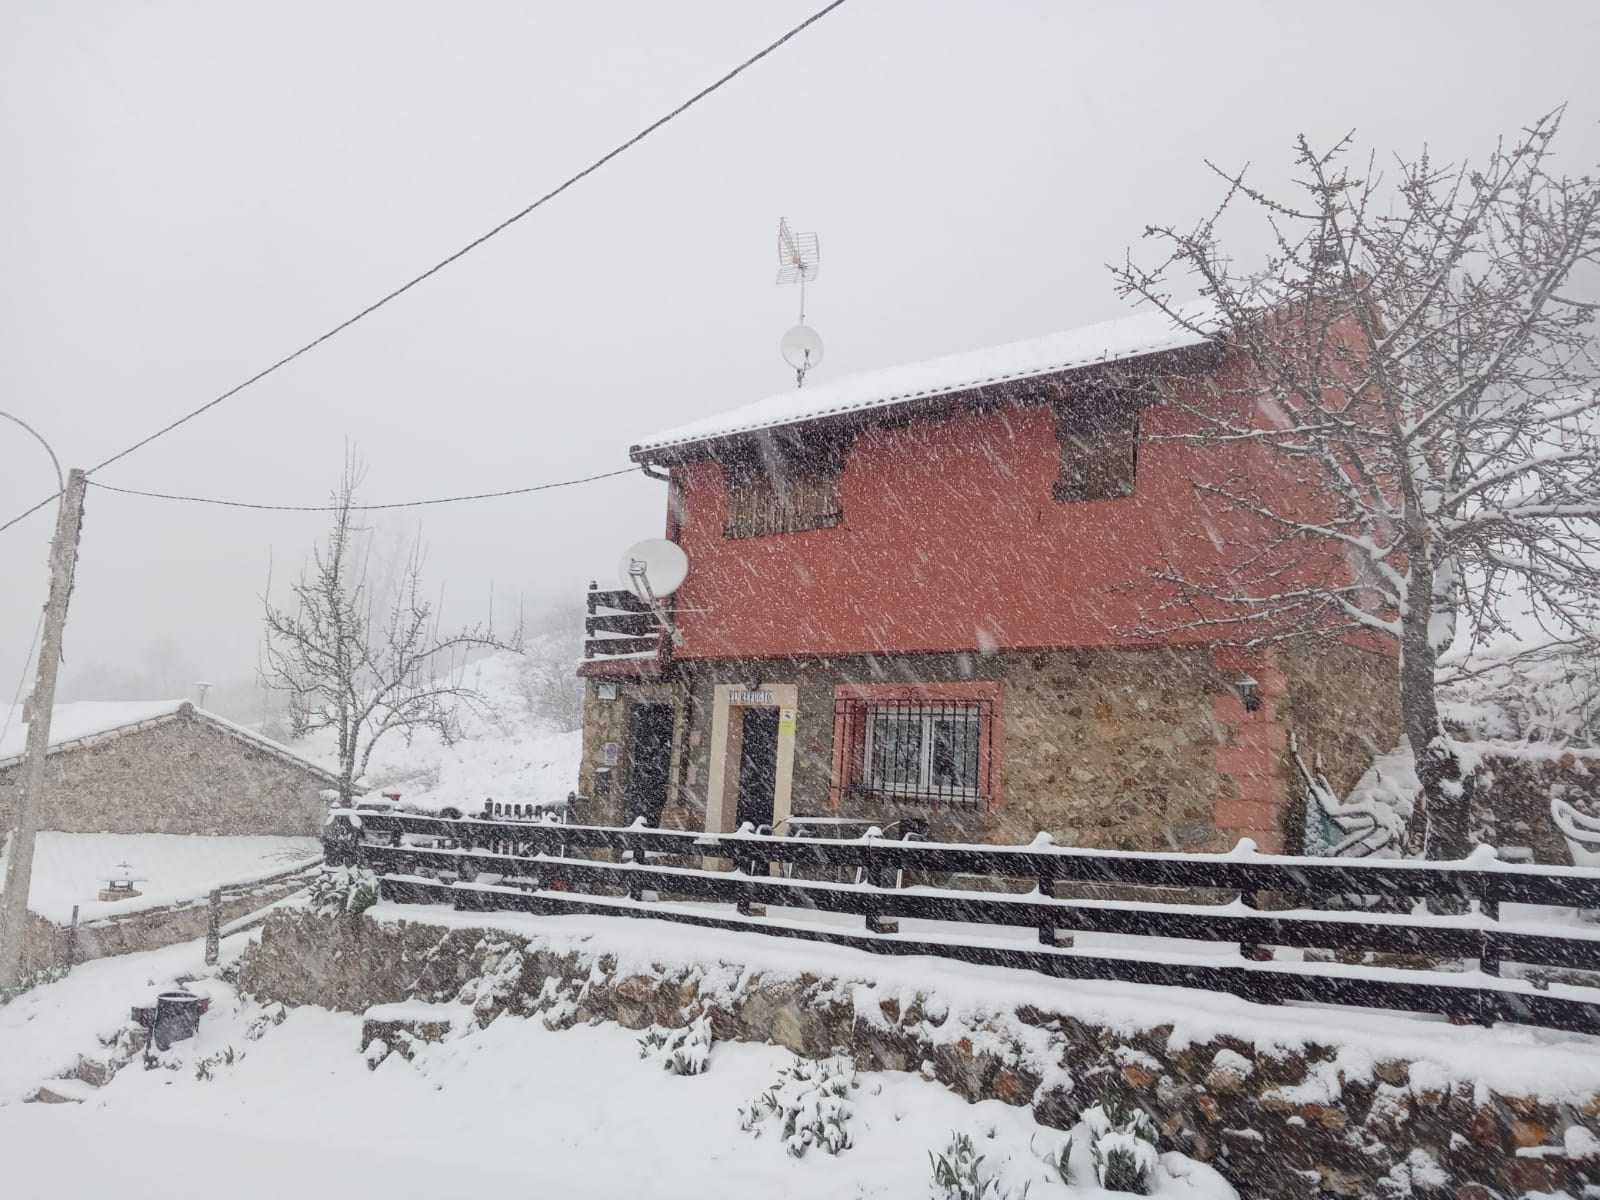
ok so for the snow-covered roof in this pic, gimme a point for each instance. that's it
(87, 721)
(1086, 346)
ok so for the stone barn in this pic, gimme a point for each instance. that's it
(164, 767)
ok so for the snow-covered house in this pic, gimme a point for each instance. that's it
(163, 766)
(923, 594)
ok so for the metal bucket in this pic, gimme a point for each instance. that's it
(177, 1018)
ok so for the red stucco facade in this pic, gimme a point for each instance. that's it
(951, 540)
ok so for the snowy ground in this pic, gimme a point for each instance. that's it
(504, 754)
(71, 868)
(513, 1107)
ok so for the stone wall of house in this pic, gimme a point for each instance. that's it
(181, 776)
(1112, 749)
(602, 786)
(1343, 704)
(1283, 1117)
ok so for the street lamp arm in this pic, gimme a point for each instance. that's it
(61, 480)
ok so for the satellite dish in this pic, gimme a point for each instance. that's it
(802, 348)
(654, 568)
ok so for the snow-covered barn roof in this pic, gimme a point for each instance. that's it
(86, 722)
(1055, 353)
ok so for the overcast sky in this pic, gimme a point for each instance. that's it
(194, 189)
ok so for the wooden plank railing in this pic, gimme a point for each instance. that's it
(1281, 901)
(301, 872)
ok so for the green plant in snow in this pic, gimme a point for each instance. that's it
(343, 891)
(205, 1070)
(32, 979)
(257, 1028)
(957, 1173)
(1063, 1162)
(680, 1051)
(1122, 1143)
(810, 1102)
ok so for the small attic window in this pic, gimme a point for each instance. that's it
(783, 484)
(1097, 436)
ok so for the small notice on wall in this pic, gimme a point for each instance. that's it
(785, 720)
(749, 697)
(613, 753)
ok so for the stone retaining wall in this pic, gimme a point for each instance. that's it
(1285, 1122)
(47, 944)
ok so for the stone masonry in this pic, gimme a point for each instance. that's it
(183, 775)
(1283, 1117)
(1112, 749)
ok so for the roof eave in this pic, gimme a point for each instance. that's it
(1027, 389)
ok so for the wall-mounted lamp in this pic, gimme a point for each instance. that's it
(607, 690)
(1250, 693)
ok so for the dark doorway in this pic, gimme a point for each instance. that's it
(758, 767)
(649, 752)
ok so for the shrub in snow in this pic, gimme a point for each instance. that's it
(957, 1173)
(1122, 1144)
(345, 890)
(205, 1070)
(810, 1102)
(680, 1051)
(32, 979)
(259, 1025)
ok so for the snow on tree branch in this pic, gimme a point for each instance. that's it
(1418, 363)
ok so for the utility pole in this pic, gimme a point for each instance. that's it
(19, 858)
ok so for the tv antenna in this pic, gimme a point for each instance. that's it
(799, 258)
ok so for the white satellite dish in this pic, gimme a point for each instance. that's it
(654, 568)
(802, 348)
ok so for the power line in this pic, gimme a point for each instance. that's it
(22, 682)
(27, 513)
(445, 262)
(523, 491)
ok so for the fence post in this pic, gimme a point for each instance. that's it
(213, 927)
(1049, 934)
(877, 922)
(1488, 939)
(72, 940)
(1251, 950)
(635, 888)
(1488, 958)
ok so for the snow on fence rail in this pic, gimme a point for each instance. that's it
(1265, 901)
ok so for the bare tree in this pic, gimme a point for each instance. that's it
(367, 658)
(1425, 372)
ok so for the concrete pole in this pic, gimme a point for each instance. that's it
(19, 856)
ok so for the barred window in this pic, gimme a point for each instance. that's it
(1097, 433)
(915, 750)
(783, 484)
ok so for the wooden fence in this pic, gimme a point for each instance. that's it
(301, 873)
(1256, 901)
